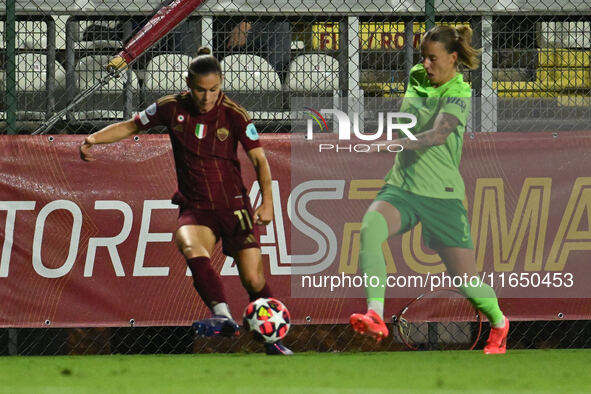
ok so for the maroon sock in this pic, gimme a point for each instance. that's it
(265, 292)
(206, 281)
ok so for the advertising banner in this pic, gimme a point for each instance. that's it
(92, 243)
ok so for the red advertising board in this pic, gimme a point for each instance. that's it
(91, 244)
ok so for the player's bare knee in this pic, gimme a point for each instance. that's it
(189, 251)
(253, 282)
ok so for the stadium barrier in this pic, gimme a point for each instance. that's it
(73, 259)
(534, 77)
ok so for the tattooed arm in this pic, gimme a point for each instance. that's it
(444, 124)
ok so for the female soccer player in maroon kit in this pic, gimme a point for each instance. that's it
(205, 128)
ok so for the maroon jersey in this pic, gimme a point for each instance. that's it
(205, 148)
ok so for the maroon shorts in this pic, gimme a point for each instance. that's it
(234, 226)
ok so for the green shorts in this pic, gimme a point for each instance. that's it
(445, 221)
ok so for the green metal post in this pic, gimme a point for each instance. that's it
(11, 66)
(429, 14)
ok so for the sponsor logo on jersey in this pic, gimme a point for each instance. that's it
(458, 101)
(222, 133)
(151, 110)
(251, 132)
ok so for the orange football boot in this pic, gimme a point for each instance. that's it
(497, 340)
(369, 324)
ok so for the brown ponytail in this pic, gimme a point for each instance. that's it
(204, 63)
(456, 39)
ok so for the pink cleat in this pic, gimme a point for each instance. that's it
(497, 340)
(369, 324)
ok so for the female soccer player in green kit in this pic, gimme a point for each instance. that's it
(425, 183)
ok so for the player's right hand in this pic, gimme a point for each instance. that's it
(85, 148)
(263, 214)
(116, 64)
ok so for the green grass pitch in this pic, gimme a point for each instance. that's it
(520, 371)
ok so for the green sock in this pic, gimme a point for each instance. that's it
(483, 297)
(374, 231)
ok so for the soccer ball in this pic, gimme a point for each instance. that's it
(267, 318)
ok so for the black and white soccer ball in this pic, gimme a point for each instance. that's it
(267, 318)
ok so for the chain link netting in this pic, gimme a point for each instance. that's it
(535, 76)
(309, 337)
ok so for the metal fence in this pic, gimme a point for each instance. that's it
(310, 337)
(535, 76)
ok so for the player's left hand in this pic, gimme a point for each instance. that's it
(263, 214)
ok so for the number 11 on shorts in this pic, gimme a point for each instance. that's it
(244, 218)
